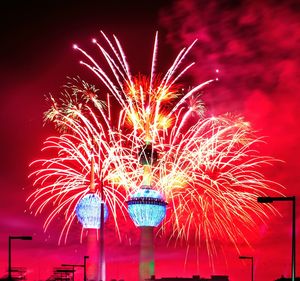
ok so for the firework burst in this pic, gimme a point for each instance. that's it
(208, 168)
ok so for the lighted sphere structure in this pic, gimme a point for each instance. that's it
(147, 207)
(88, 211)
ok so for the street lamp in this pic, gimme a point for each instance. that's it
(9, 250)
(249, 258)
(293, 199)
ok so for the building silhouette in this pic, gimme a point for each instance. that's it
(193, 278)
(61, 274)
(17, 274)
(282, 278)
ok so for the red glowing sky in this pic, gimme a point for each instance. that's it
(255, 44)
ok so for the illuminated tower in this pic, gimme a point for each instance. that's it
(147, 209)
(92, 213)
(88, 211)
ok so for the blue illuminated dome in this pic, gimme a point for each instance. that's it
(147, 207)
(88, 211)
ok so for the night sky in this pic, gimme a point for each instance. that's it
(255, 44)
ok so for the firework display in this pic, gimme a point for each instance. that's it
(208, 169)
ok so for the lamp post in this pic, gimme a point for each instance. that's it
(252, 269)
(9, 250)
(293, 199)
(84, 266)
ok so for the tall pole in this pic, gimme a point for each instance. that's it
(102, 258)
(98, 267)
(73, 275)
(102, 261)
(146, 268)
(252, 269)
(101, 266)
(294, 240)
(84, 267)
(9, 258)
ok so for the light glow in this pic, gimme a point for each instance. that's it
(88, 211)
(146, 207)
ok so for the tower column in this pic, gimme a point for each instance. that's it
(147, 209)
(146, 267)
(93, 253)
